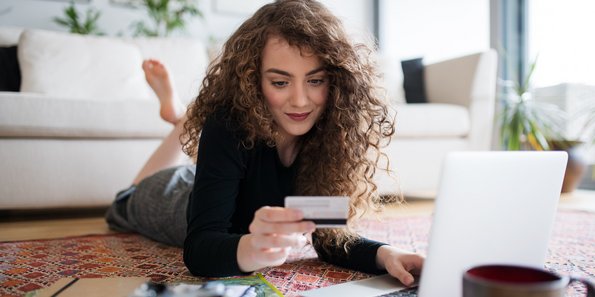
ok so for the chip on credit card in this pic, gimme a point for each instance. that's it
(324, 211)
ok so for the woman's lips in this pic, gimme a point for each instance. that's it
(298, 116)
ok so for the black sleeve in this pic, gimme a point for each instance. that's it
(361, 256)
(209, 249)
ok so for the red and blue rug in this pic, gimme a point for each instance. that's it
(26, 266)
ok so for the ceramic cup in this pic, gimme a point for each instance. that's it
(517, 281)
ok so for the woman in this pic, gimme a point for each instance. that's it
(290, 108)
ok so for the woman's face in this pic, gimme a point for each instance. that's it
(295, 87)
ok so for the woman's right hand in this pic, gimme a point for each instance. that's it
(273, 232)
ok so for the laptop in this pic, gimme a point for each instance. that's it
(491, 208)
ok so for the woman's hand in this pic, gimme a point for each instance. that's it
(398, 263)
(273, 232)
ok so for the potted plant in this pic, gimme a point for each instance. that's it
(166, 16)
(588, 115)
(584, 141)
(527, 124)
(72, 20)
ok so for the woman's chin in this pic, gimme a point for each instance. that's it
(297, 131)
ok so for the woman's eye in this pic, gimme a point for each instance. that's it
(316, 81)
(279, 83)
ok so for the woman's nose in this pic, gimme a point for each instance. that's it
(299, 97)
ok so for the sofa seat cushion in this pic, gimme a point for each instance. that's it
(431, 120)
(33, 115)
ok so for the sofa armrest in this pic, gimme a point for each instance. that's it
(469, 81)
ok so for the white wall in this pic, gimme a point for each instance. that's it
(434, 29)
(116, 19)
(356, 15)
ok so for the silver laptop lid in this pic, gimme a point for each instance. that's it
(492, 207)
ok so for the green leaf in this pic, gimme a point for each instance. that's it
(167, 16)
(71, 13)
(537, 134)
(60, 21)
(525, 85)
(72, 20)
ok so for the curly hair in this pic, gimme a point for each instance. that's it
(340, 154)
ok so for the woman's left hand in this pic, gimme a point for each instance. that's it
(401, 264)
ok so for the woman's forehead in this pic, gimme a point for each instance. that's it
(276, 42)
(281, 57)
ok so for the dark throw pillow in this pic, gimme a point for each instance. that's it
(10, 73)
(413, 81)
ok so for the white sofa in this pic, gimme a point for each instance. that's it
(79, 131)
(459, 116)
(85, 120)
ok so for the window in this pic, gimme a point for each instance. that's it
(560, 34)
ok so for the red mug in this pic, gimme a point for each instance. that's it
(517, 281)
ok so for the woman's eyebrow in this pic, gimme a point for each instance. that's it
(278, 71)
(285, 73)
(315, 71)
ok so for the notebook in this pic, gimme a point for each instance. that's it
(491, 208)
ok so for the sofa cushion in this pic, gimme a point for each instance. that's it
(80, 66)
(33, 115)
(186, 59)
(9, 35)
(10, 74)
(431, 120)
(413, 81)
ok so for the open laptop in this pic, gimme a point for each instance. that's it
(491, 208)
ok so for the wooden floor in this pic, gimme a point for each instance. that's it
(19, 225)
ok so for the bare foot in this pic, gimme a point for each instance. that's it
(158, 78)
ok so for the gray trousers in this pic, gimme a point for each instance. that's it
(156, 207)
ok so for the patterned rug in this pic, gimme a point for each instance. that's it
(30, 265)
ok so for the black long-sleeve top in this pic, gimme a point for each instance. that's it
(231, 183)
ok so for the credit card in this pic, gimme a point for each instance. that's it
(324, 211)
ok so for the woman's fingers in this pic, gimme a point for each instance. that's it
(401, 274)
(403, 266)
(279, 220)
(272, 257)
(273, 232)
(279, 241)
(278, 214)
(252, 258)
(260, 227)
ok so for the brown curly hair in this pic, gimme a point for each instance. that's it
(340, 154)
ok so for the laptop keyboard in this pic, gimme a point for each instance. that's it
(410, 292)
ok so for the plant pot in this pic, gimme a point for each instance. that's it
(576, 166)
